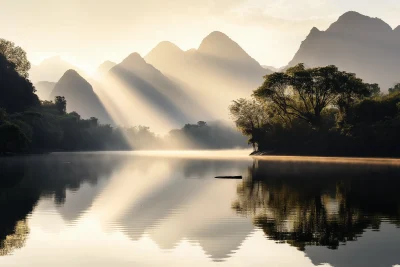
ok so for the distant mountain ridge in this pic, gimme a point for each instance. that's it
(80, 96)
(217, 72)
(216, 50)
(144, 83)
(356, 43)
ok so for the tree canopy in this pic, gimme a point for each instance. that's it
(320, 111)
(301, 93)
(16, 56)
(16, 91)
(394, 89)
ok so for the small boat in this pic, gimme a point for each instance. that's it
(228, 177)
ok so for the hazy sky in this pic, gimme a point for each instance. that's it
(88, 32)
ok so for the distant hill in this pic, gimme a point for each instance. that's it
(104, 68)
(51, 69)
(44, 89)
(144, 85)
(356, 43)
(214, 74)
(80, 96)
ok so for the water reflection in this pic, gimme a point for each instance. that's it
(80, 203)
(320, 204)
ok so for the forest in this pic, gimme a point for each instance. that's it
(31, 125)
(320, 111)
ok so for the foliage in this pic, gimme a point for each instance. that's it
(302, 93)
(249, 116)
(394, 89)
(16, 92)
(321, 111)
(12, 139)
(16, 56)
(61, 104)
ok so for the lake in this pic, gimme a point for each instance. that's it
(167, 209)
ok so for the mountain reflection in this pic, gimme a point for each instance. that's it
(176, 200)
(169, 199)
(24, 181)
(320, 204)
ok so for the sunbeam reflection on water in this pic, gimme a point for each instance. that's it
(166, 209)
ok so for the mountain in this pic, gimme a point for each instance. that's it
(104, 68)
(80, 96)
(51, 69)
(165, 56)
(214, 74)
(44, 89)
(356, 43)
(134, 85)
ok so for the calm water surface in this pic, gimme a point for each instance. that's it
(167, 209)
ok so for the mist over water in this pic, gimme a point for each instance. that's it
(165, 208)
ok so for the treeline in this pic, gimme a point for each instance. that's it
(29, 125)
(320, 111)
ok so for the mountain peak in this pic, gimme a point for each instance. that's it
(355, 23)
(133, 59)
(219, 45)
(215, 38)
(314, 29)
(165, 50)
(71, 76)
(217, 35)
(72, 72)
(352, 15)
(167, 46)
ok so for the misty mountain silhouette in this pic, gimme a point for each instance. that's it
(219, 67)
(51, 69)
(80, 96)
(217, 52)
(355, 43)
(44, 89)
(104, 68)
(148, 83)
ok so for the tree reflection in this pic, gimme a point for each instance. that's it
(323, 204)
(23, 181)
(16, 239)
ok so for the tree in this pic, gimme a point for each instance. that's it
(16, 92)
(16, 56)
(94, 122)
(302, 93)
(394, 89)
(249, 116)
(61, 104)
(12, 139)
(350, 90)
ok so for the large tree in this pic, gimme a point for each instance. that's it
(301, 93)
